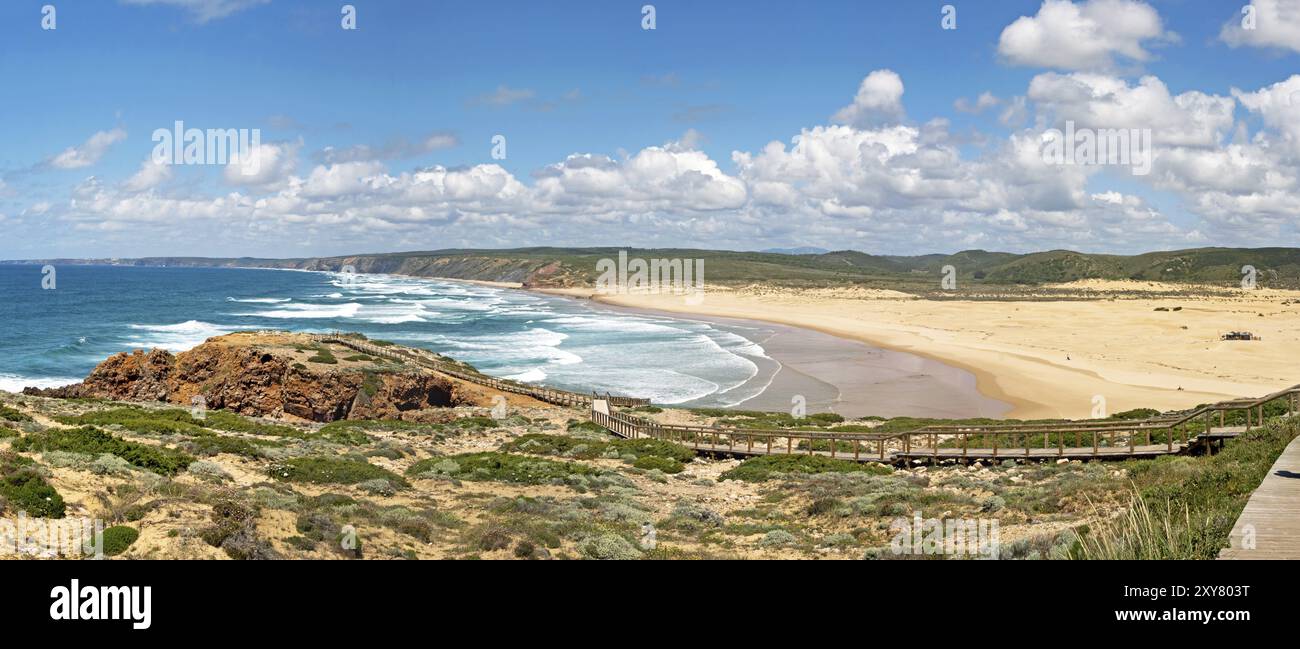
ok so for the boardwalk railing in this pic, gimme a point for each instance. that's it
(539, 392)
(1162, 435)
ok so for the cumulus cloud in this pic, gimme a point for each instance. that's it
(88, 153)
(985, 101)
(150, 175)
(879, 99)
(1085, 36)
(1102, 101)
(879, 184)
(267, 164)
(1265, 23)
(1278, 105)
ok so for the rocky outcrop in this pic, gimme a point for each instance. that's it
(253, 381)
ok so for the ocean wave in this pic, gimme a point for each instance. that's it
(178, 337)
(534, 375)
(260, 300)
(309, 311)
(16, 383)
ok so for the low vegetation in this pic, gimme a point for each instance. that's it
(766, 467)
(23, 488)
(500, 467)
(93, 441)
(1184, 507)
(332, 470)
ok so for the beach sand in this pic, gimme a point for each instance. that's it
(827, 373)
(1047, 357)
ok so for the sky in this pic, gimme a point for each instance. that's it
(887, 127)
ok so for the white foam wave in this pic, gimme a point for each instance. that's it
(16, 383)
(260, 300)
(177, 337)
(306, 310)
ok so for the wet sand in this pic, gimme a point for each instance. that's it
(834, 374)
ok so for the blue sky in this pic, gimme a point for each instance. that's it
(564, 78)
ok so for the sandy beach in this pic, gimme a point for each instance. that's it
(828, 373)
(1133, 344)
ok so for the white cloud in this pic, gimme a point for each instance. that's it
(269, 164)
(94, 148)
(392, 150)
(1101, 101)
(1272, 24)
(985, 101)
(1278, 105)
(150, 175)
(1084, 36)
(503, 96)
(202, 11)
(879, 99)
(887, 186)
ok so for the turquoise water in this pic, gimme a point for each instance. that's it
(55, 337)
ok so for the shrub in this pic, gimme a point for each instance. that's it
(777, 538)
(118, 538)
(610, 547)
(765, 467)
(659, 448)
(332, 470)
(92, 440)
(22, 487)
(10, 414)
(501, 467)
(653, 462)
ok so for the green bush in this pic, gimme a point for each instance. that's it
(324, 357)
(118, 538)
(23, 488)
(94, 441)
(665, 464)
(501, 467)
(765, 467)
(10, 414)
(332, 470)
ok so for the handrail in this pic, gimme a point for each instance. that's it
(1103, 435)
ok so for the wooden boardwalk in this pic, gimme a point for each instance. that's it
(1269, 526)
(1192, 431)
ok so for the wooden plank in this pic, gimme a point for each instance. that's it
(1269, 525)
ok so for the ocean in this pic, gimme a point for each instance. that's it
(56, 336)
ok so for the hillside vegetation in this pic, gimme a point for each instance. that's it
(566, 267)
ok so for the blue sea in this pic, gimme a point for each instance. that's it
(55, 337)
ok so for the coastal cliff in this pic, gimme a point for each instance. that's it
(270, 375)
